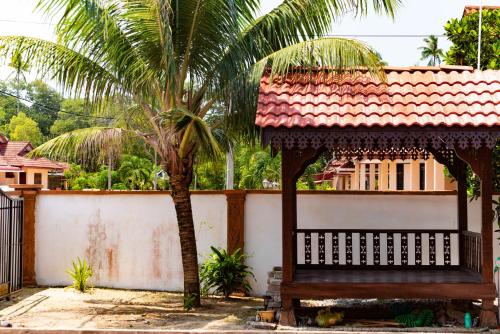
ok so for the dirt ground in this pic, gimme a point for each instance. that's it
(113, 308)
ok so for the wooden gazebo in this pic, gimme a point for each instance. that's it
(450, 112)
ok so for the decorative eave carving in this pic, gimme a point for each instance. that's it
(381, 143)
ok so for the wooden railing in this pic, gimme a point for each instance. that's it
(472, 250)
(330, 248)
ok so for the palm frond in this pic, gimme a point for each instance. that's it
(84, 146)
(339, 54)
(75, 72)
(196, 134)
(98, 30)
(295, 21)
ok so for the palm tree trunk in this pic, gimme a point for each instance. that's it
(182, 201)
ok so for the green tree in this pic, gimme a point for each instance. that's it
(431, 51)
(23, 128)
(175, 63)
(8, 102)
(210, 175)
(75, 114)
(46, 104)
(463, 33)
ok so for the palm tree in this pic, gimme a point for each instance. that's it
(431, 51)
(136, 171)
(175, 60)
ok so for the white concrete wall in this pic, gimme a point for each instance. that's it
(131, 240)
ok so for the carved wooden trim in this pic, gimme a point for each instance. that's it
(377, 143)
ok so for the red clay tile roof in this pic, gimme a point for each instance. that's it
(9, 169)
(12, 154)
(446, 96)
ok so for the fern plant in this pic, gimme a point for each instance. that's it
(80, 275)
(224, 273)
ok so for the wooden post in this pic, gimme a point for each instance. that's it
(480, 161)
(289, 212)
(28, 193)
(235, 220)
(461, 179)
(293, 163)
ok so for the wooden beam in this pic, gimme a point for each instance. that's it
(388, 290)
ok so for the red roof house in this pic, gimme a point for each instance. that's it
(15, 167)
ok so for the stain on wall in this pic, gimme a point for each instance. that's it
(112, 262)
(96, 249)
(156, 256)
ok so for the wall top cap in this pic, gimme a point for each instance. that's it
(26, 186)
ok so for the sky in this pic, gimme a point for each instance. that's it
(415, 17)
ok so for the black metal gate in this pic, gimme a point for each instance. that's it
(11, 244)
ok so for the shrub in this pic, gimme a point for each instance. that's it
(189, 302)
(224, 273)
(80, 275)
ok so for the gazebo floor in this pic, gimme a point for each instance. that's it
(390, 283)
(386, 276)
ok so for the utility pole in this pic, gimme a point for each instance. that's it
(17, 90)
(479, 35)
(155, 179)
(230, 155)
(110, 165)
(230, 168)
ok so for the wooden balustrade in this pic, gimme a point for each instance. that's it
(330, 248)
(472, 250)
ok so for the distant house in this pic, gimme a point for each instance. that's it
(16, 168)
(474, 9)
(365, 174)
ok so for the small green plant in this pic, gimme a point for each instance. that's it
(189, 302)
(80, 275)
(224, 273)
(423, 318)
